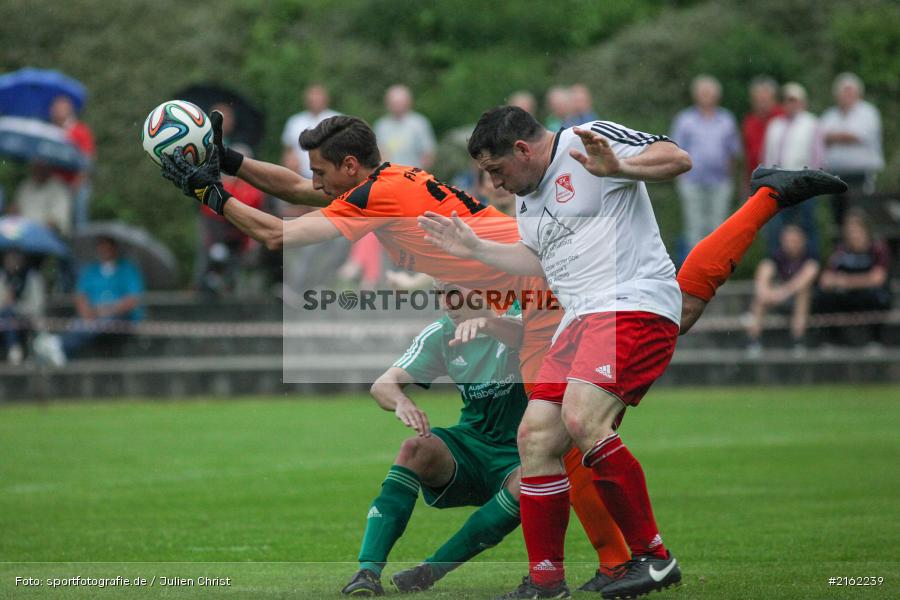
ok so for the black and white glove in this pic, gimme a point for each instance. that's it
(202, 183)
(230, 160)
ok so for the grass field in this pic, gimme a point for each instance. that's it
(761, 493)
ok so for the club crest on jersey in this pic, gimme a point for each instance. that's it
(564, 189)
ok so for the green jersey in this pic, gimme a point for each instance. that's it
(485, 370)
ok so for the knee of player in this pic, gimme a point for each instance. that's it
(535, 437)
(414, 455)
(573, 419)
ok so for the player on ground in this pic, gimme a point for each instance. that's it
(578, 188)
(473, 463)
(372, 196)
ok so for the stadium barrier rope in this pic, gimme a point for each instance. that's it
(406, 330)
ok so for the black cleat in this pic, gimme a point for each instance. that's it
(417, 579)
(603, 577)
(642, 575)
(793, 187)
(364, 583)
(531, 590)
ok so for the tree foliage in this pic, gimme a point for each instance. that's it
(459, 56)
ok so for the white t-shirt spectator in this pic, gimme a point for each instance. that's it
(296, 125)
(793, 143)
(863, 121)
(48, 203)
(405, 141)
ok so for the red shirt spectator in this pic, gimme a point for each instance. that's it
(764, 107)
(62, 114)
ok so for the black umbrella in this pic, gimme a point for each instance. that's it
(249, 121)
(156, 261)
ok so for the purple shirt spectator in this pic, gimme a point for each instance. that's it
(712, 142)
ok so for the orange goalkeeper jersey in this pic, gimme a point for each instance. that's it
(388, 203)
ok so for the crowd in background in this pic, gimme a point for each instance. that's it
(778, 131)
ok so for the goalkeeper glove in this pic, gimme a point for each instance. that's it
(229, 159)
(199, 182)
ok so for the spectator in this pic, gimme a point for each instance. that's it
(709, 133)
(784, 281)
(21, 301)
(559, 107)
(315, 100)
(524, 100)
(852, 131)
(62, 114)
(45, 198)
(763, 108)
(582, 106)
(794, 141)
(108, 298)
(856, 276)
(404, 136)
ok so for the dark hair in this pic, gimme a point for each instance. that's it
(501, 127)
(341, 136)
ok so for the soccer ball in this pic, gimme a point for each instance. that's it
(176, 123)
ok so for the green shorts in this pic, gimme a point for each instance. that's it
(482, 467)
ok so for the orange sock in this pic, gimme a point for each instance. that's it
(715, 258)
(596, 520)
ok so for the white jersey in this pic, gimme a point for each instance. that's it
(597, 237)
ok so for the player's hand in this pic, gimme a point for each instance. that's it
(468, 330)
(230, 160)
(412, 416)
(452, 235)
(600, 159)
(199, 182)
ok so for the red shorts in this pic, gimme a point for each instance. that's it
(622, 353)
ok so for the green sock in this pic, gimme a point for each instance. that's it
(388, 516)
(484, 529)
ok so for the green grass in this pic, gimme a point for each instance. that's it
(761, 493)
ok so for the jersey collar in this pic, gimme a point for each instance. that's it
(553, 150)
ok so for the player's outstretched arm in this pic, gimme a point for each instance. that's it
(281, 182)
(388, 393)
(203, 183)
(272, 179)
(275, 233)
(455, 237)
(661, 160)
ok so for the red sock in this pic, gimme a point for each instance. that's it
(620, 480)
(712, 261)
(545, 515)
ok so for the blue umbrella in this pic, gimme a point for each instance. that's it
(29, 237)
(30, 139)
(29, 92)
